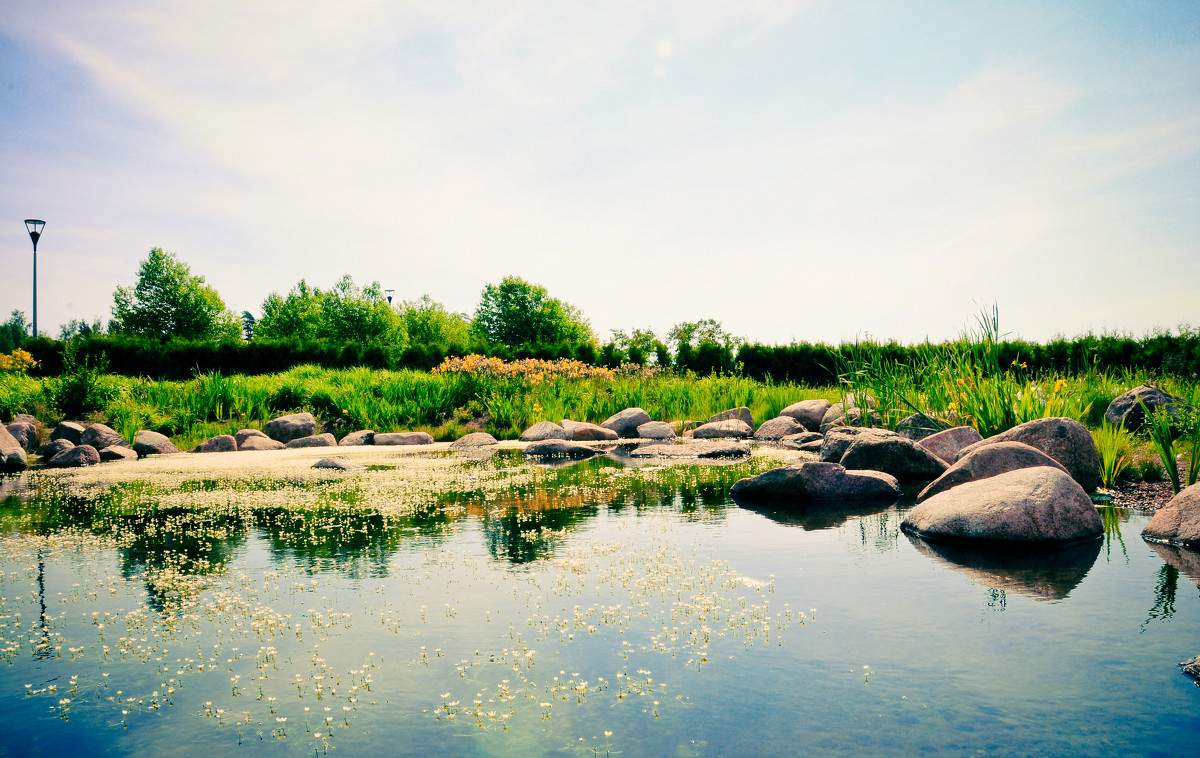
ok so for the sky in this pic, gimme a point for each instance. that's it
(799, 171)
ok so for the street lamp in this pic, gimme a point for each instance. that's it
(34, 227)
(388, 294)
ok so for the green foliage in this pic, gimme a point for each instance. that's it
(1160, 427)
(1115, 446)
(343, 314)
(168, 301)
(13, 332)
(639, 346)
(429, 324)
(82, 388)
(80, 328)
(516, 313)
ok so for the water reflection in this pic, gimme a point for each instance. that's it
(815, 516)
(1042, 575)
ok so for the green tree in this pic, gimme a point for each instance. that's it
(80, 328)
(344, 313)
(430, 324)
(13, 332)
(639, 344)
(169, 301)
(516, 313)
(696, 333)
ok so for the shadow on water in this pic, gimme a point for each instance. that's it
(1042, 575)
(813, 517)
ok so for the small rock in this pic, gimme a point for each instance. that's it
(656, 430)
(556, 448)
(808, 412)
(1177, 522)
(338, 464)
(817, 481)
(919, 426)
(316, 440)
(543, 430)
(728, 428)
(118, 453)
(260, 443)
(626, 422)
(245, 434)
(474, 439)
(290, 427)
(778, 428)
(1192, 668)
(68, 430)
(946, 445)
(406, 438)
(146, 442)
(54, 447)
(742, 414)
(75, 457)
(801, 438)
(222, 443)
(358, 439)
(697, 449)
(582, 431)
(100, 436)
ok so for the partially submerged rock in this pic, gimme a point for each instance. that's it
(260, 443)
(626, 422)
(560, 449)
(472, 440)
(815, 480)
(1032, 506)
(989, 461)
(543, 430)
(75, 457)
(409, 438)
(24, 431)
(1192, 669)
(727, 428)
(808, 412)
(315, 440)
(222, 443)
(118, 453)
(292, 426)
(742, 414)
(946, 444)
(147, 442)
(899, 456)
(339, 464)
(1177, 522)
(656, 430)
(12, 454)
(54, 447)
(582, 431)
(690, 449)
(778, 428)
(1063, 439)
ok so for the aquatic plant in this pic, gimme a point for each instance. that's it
(1114, 445)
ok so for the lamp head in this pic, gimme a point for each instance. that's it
(34, 227)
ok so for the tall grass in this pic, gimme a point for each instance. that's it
(1115, 446)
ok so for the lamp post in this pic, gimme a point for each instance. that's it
(388, 294)
(34, 227)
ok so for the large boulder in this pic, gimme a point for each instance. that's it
(468, 441)
(68, 430)
(100, 436)
(1040, 506)
(1127, 409)
(989, 461)
(1177, 522)
(292, 426)
(407, 438)
(12, 454)
(778, 428)
(899, 456)
(245, 434)
(1065, 440)
(808, 412)
(543, 430)
(318, 440)
(918, 426)
(946, 445)
(742, 414)
(118, 453)
(222, 443)
(656, 430)
(146, 442)
(817, 481)
(626, 422)
(728, 428)
(558, 448)
(358, 439)
(838, 439)
(54, 447)
(259, 443)
(75, 457)
(582, 431)
(24, 432)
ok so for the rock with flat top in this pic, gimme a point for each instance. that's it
(728, 428)
(315, 440)
(543, 430)
(817, 481)
(405, 438)
(582, 431)
(118, 453)
(560, 449)
(899, 456)
(339, 464)
(656, 430)
(778, 428)
(260, 443)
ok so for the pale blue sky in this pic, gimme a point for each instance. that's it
(796, 170)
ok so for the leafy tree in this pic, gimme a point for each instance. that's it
(695, 333)
(13, 332)
(343, 314)
(516, 312)
(430, 324)
(639, 344)
(169, 301)
(80, 328)
(248, 323)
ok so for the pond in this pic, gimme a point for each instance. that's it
(599, 609)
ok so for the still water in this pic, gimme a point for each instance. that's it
(602, 611)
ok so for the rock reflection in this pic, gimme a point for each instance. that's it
(820, 515)
(1042, 575)
(1183, 560)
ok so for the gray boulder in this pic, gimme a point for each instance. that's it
(338, 464)
(292, 426)
(118, 453)
(556, 448)
(801, 438)
(626, 422)
(1036, 506)
(817, 481)
(946, 445)
(728, 428)
(837, 440)
(472, 440)
(407, 438)
(54, 447)
(357, 439)
(100, 436)
(742, 414)
(1127, 409)
(989, 461)
(12, 454)
(24, 432)
(146, 442)
(899, 456)
(75, 457)
(68, 430)
(1065, 440)
(259, 443)
(656, 430)
(245, 434)
(582, 431)
(222, 443)
(808, 412)
(543, 430)
(918, 426)
(778, 428)
(1177, 522)
(315, 440)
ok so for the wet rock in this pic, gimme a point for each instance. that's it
(410, 438)
(54, 447)
(24, 432)
(1192, 668)
(12, 454)
(808, 412)
(560, 449)
(222, 443)
(146, 442)
(656, 430)
(989, 461)
(75, 457)
(69, 431)
(358, 439)
(899, 456)
(801, 438)
(316, 440)
(742, 414)
(697, 449)
(817, 481)
(118, 453)
(259, 443)
(543, 430)
(582, 431)
(1033, 506)
(626, 422)
(292, 426)
(837, 440)
(338, 464)
(918, 426)
(1065, 440)
(728, 428)
(946, 445)
(100, 436)
(472, 440)
(778, 428)
(1127, 409)
(1177, 522)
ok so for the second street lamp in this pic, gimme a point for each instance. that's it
(34, 226)
(388, 294)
